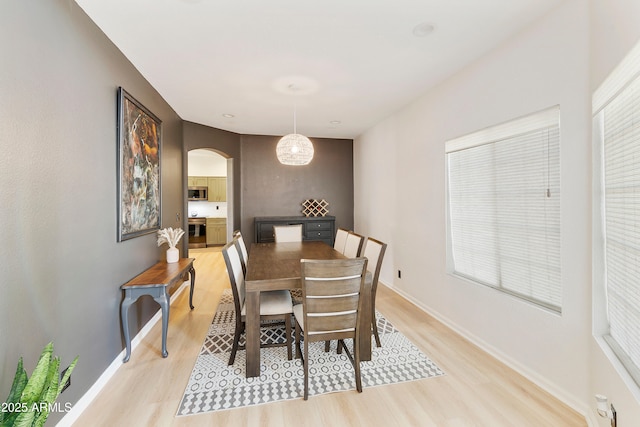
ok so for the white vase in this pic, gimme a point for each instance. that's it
(172, 255)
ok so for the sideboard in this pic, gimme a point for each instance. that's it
(321, 228)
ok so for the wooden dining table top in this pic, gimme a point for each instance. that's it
(277, 265)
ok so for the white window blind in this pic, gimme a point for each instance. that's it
(504, 207)
(617, 118)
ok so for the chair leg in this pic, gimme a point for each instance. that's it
(356, 356)
(355, 360)
(374, 327)
(297, 346)
(236, 340)
(305, 362)
(327, 345)
(287, 323)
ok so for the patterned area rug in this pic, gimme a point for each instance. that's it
(215, 386)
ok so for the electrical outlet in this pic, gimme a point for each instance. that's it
(68, 383)
(614, 418)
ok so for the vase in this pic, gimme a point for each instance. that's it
(172, 255)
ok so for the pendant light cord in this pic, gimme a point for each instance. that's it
(294, 118)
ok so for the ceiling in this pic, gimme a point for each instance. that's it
(340, 66)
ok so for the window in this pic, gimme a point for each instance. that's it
(616, 107)
(504, 207)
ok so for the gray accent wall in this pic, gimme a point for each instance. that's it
(273, 189)
(61, 266)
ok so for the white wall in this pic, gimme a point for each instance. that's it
(615, 29)
(203, 162)
(401, 161)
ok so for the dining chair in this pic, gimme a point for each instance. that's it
(353, 245)
(352, 248)
(331, 308)
(288, 233)
(274, 305)
(374, 252)
(242, 250)
(341, 239)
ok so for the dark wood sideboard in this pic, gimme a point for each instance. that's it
(322, 228)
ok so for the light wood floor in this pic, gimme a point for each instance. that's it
(476, 390)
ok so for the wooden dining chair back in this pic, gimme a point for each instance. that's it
(374, 252)
(353, 245)
(242, 250)
(287, 233)
(331, 308)
(274, 305)
(340, 240)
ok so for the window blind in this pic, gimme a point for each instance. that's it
(504, 207)
(618, 120)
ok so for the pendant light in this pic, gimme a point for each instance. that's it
(294, 149)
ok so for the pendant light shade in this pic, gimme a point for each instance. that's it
(294, 149)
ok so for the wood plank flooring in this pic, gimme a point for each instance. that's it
(477, 390)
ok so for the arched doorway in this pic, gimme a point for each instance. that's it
(210, 198)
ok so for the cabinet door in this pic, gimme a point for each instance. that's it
(217, 189)
(216, 231)
(200, 181)
(197, 181)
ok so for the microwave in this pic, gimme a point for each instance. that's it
(198, 194)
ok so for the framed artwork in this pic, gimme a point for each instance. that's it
(139, 142)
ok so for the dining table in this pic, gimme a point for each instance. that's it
(276, 266)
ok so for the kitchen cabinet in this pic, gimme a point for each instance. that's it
(197, 181)
(217, 188)
(321, 228)
(216, 231)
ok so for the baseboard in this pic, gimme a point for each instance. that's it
(84, 402)
(542, 382)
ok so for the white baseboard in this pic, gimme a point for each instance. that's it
(84, 402)
(542, 382)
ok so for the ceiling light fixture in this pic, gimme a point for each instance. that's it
(228, 116)
(294, 149)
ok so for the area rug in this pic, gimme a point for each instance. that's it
(215, 386)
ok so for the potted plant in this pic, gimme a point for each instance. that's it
(171, 237)
(31, 399)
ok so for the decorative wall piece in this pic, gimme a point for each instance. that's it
(313, 207)
(139, 140)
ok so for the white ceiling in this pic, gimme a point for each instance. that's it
(351, 61)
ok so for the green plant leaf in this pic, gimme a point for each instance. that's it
(19, 382)
(67, 374)
(33, 389)
(50, 394)
(25, 419)
(40, 419)
(51, 385)
(9, 419)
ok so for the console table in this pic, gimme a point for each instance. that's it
(157, 281)
(316, 228)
